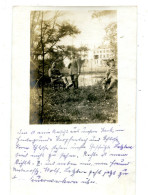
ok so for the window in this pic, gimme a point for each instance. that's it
(100, 56)
(95, 56)
(100, 51)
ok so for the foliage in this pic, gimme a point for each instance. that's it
(102, 13)
(111, 37)
(85, 105)
(69, 50)
(111, 29)
(45, 36)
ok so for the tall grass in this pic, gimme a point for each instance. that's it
(84, 105)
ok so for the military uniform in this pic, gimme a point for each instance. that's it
(57, 78)
(111, 76)
(74, 72)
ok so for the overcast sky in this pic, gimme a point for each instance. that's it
(92, 30)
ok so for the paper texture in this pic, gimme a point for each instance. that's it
(77, 139)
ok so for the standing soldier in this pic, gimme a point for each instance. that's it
(74, 67)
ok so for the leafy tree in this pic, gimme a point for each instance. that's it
(111, 30)
(102, 13)
(111, 37)
(45, 36)
(78, 52)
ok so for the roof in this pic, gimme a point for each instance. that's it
(103, 47)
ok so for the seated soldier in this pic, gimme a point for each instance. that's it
(56, 77)
(111, 76)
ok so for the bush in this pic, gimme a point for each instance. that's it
(92, 97)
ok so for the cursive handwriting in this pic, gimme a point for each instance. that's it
(71, 156)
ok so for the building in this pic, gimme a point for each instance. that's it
(102, 54)
(95, 60)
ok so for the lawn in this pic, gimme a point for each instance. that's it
(85, 105)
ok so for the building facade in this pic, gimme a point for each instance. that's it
(102, 54)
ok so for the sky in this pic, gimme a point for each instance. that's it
(92, 29)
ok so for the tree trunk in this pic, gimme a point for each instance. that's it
(42, 43)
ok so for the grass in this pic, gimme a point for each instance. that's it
(84, 105)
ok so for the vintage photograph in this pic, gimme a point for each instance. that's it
(73, 66)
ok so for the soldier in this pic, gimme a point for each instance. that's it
(56, 77)
(74, 67)
(111, 76)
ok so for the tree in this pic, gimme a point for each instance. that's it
(103, 13)
(45, 36)
(110, 38)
